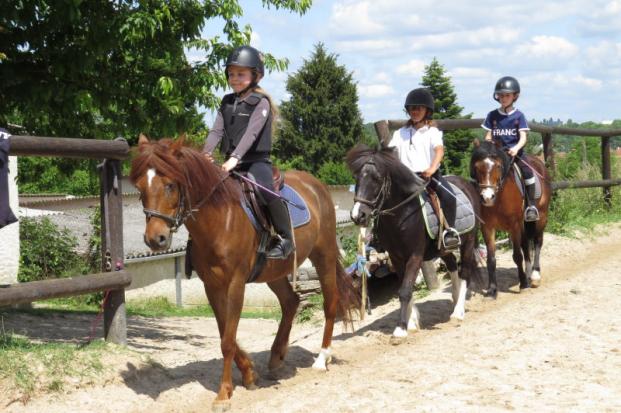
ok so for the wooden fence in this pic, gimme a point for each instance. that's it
(383, 129)
(114, 279)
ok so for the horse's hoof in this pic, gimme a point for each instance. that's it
(220, 406)
(275, 364)
(491, 294)
(524, 286)
(251, 386)
(535, 279)
(458, 316)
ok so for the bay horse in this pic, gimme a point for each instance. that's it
(177, 186)
(503, 209)
(387, 189)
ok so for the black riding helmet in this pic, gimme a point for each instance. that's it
(246, 56)
(420, 97)
(507, 84)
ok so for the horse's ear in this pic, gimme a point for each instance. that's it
(476, 142)
(142, 139)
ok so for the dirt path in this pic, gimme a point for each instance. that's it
(556, 348)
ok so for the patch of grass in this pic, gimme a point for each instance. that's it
(312, 304)
(29, 368)
(150, 307)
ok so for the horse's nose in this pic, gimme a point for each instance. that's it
(158, 242)
(488, 196)
(357, 214)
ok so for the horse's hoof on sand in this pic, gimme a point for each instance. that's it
(275, 364)
(535, 279)
(492, 295)
(220, 406)
(319, 365)
(395, 341)
(457, 317)
(251, 386)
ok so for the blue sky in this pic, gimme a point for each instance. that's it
(566, 54)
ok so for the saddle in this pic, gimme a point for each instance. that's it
(251, 197)
(434, 201)
(252, 202)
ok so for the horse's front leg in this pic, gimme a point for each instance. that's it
(408, 314)
(489, 236)
(228, 344)
(535, 277)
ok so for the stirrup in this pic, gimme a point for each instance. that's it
(450, 239)
(531, 214)
(281, 251)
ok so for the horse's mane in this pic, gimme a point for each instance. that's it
(488, 149)
(387, 163)
(197, 177)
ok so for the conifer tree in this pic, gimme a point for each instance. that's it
(456, 143)
(321, 121)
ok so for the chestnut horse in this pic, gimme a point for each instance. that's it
(503, 209)
(178, 185)
(388, 190)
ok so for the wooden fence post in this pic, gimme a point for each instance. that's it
(115, 322)
(548, 153)
(606, 172)
(383, 132)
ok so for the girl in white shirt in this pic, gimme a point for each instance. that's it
(420, 148)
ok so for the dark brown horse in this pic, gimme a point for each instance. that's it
(388, 190)
(179, 186)
(503, 209)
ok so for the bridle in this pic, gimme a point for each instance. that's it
(182, 212)
(500, 183)
(382, 194)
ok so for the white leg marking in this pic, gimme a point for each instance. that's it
(413, 321)
(460, 311)
(324, 357)
(399, 333)
(150, 175)
(355, 210)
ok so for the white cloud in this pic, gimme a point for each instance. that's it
(470, 73)
(353, 19)
(413, 67)
(376, 90)
(255, 40)
(548, 47)
(379, 46)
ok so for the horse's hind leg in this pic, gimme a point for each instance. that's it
(325, 264)
(289, 302)
(535, 277)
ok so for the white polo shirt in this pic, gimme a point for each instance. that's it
(416, 146)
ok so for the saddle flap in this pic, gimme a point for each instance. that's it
(250, 197)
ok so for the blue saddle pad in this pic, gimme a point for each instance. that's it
(299, 216)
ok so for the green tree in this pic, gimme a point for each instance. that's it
(103, 68)
(321, 120)
(456, 143)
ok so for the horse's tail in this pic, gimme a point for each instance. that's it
(349, 300)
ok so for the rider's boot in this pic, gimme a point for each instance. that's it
(531, 213)
(450, 236)
(279, 214)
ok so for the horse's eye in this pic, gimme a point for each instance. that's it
(169, 188)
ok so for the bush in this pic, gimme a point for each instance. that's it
(46, 251)
(335, 173)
